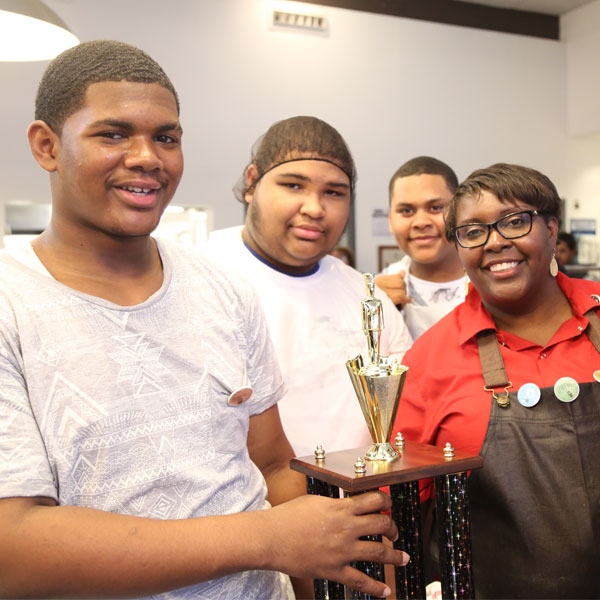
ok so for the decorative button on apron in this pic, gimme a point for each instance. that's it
(528, 395)
(566, 389)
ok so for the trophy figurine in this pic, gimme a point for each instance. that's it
(378, 384)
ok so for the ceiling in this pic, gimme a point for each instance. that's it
(550, 7)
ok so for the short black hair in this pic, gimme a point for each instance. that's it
(509, 183)
(425, 165)
(568, 239)
(63, 86)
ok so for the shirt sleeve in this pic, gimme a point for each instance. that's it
(24, 465)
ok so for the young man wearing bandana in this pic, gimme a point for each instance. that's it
(298, 189)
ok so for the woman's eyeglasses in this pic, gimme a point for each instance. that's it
(510, 227)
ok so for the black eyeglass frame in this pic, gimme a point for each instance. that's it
(494, 225)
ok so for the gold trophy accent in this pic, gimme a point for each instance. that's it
(378, 385)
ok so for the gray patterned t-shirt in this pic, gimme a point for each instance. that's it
(124, 409)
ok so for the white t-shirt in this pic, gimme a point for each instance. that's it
(316, 326)
(124, 408)
(430, 300)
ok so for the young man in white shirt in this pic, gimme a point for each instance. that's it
(298, 188)
(429, 281)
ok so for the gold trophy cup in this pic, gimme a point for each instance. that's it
(378, 385)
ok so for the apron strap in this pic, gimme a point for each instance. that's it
(593, 328)
(492, 365)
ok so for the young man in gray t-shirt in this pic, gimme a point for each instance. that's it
(133, 459)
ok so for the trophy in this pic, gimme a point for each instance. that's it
(378, 385)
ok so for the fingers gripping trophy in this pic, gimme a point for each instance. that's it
(378, 385)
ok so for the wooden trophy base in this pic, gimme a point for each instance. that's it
(336, 470)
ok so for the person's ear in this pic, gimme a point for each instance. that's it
(251, 179)
(552, 225)
(44, 145)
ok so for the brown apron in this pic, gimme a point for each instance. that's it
(535, 505)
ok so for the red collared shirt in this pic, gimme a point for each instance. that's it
(443, 398)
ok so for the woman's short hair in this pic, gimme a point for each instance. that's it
(509, 183)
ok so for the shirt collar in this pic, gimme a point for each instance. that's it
(581, 293)
(272, 266)
(474, 317)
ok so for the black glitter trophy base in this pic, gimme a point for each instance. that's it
(325, 477)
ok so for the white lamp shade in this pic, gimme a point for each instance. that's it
(29, 30)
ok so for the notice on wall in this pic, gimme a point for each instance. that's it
(585, 226)
(379, 223)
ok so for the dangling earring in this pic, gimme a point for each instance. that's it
(466, 284)
(553, 265)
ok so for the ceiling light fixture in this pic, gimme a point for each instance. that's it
(29, 30)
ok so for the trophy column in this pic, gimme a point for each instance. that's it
(406, 513)
(338, 470)
(454, 535)
(325, 589)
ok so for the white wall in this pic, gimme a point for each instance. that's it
(583, 191)
(580, 32)
(394, 87)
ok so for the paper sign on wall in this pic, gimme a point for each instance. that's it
(587, 226)
(379, 223)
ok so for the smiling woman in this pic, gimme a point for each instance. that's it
(518, 383)
(505, 222)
